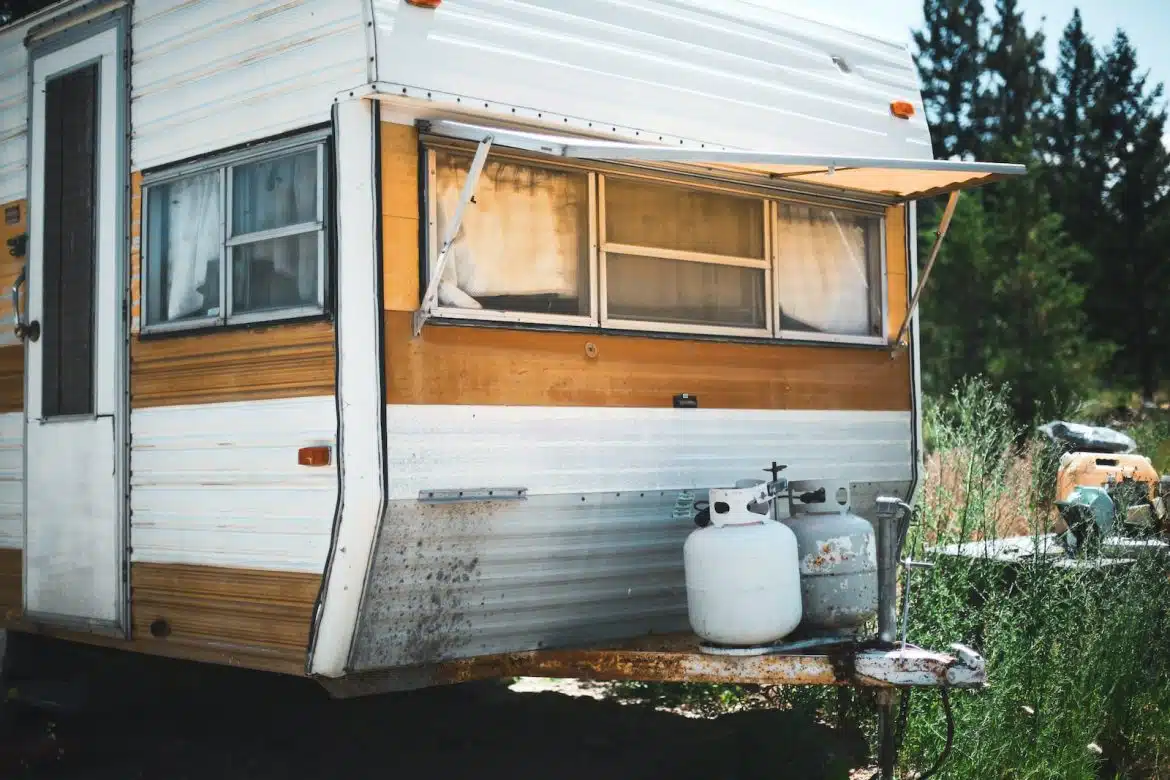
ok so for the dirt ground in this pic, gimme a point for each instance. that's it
(171, 720)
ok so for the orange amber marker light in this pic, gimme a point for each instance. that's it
(314, 456)
(424, 3)
(903, 109)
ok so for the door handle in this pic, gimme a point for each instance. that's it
(31, 330)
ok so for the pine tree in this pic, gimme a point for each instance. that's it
(1078, 163)
(1128, 306)
(1012, 105)
(950, 60)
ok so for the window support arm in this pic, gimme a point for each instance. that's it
(943, 225)
(466, 198)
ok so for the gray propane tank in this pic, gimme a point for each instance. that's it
(838, 559)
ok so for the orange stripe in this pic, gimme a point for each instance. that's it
(476, 365)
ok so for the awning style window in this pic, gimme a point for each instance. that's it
(889, 179)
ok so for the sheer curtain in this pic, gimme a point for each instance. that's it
(192, 246)
(520, 237)
(824, 267)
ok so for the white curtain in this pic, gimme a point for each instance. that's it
(824, 280)
(193, 247)
(520, 237)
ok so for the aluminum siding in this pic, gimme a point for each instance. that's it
(209, 74)
(595, 552)
(12, 480)
(724, 72)
(219, 484)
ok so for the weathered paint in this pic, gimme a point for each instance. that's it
(564, 569)
(678, 659)
(12, 480)
(219, 484)
(209, 74)
(728, 73)
(567, 450)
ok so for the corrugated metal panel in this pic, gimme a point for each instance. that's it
(451, 581)
(219, 484)
(208, 74)
(591, 449)
(12, 480)
(595, 552)
(723, 72)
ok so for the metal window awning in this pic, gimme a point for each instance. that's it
(889, 178)
(895, 179)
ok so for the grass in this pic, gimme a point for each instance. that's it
(1078, 658)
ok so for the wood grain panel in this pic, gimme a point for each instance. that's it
(400, 217)
(477, 365)
(11, 589)
(280, 361)
(11, 378)
(136, 250)
(897, 267)
(261, 616)
(10, 266)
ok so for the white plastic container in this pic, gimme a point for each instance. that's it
(742, 572)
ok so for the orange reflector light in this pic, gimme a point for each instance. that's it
(424, 3)
(903, 109)
(314, 456)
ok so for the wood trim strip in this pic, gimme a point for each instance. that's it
(278, 361)
(11, 378)
(11, 584)
(451, 364)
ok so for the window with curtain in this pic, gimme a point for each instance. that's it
(637, 250)
(681, 256)
(829, 266)
(523, 247)
(237, 240)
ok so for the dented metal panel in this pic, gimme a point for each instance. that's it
(219, 484)
(594, 551)
(209, 74)
(727, 73)
(12, 480)
(566, 450)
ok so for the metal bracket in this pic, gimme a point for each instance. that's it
(472, 494)
(940, 234)
(466, 197)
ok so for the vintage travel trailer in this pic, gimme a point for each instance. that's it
(391, 342)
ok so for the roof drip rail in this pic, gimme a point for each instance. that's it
(939, 235)
(466, 198)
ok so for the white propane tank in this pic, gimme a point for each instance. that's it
(742, 571)
(838, 559)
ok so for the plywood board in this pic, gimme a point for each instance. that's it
(400, 216)
(11, 572)
(477, 365)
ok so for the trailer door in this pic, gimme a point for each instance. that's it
(75, 337)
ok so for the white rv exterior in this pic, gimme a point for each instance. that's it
(231, 536)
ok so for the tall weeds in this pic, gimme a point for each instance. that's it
(1078, 656)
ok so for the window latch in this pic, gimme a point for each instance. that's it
(940, 234)
(466, 198)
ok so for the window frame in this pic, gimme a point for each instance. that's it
(224, 164)
(599, 319)
(434, 242)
